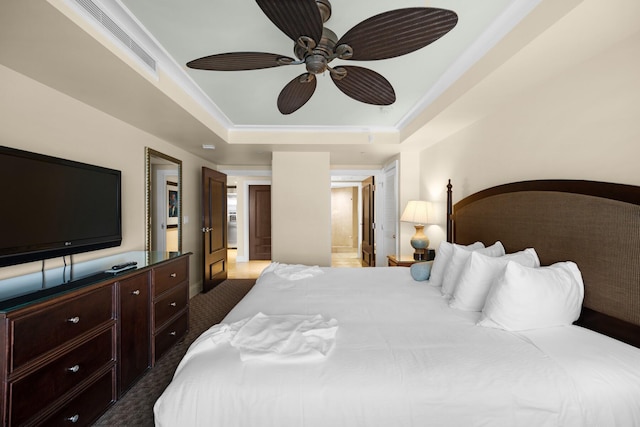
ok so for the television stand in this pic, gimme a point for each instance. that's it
(72, 349)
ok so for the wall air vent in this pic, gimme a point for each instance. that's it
(108, 24)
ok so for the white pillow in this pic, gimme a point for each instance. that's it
(443, 256)
(534, 298)
(480, 272)
(459, 259)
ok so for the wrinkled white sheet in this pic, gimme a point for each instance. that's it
(402, 357)
(287, 337)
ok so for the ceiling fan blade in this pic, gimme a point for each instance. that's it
(296, 93)
(364, 85)
(237, 61)
(398, 32)
(295, 18)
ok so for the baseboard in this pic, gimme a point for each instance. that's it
(195, 289)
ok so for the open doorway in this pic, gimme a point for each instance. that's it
(374, 194)
(163, 202)
(345, 226)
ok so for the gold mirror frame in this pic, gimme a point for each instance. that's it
(155, 157)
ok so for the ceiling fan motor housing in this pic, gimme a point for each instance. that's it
(316, 58)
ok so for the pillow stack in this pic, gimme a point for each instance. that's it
(458, 262)
(443, 256)
(511, 290)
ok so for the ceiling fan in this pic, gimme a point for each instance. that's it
(382, 36)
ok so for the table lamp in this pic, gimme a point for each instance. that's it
(416, 213)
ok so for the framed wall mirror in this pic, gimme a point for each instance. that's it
(164, 202)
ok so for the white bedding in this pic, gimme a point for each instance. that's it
(402, 357)
(284, 337)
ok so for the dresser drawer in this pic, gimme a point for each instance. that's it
(61, 375)
(170, 304)
(169, 275)
(169, 335)
(50, 327)
(85, 408)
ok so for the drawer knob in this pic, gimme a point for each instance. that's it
(172, 333)
(173, 275)
(136, 292)
(173, 304)
(73, 319)
(74, 368)
(74, 419)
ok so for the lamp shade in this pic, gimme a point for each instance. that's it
(416, 212)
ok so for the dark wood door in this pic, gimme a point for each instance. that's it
(135, 333)
(214, 228)
(260, 222)
(368, 243)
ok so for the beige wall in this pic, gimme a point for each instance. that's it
(40, 119)
(301, 208)
(344, 218)
(581, 123)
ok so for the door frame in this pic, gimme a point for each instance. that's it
(160, 207)
(256, 217)
(390, 248)
(357, 175)
(358, 212)
(245, 216)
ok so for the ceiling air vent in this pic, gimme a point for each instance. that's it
(113, 28)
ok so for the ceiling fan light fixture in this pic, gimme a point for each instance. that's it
(316, 64)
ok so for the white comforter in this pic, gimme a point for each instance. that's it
(402, 357)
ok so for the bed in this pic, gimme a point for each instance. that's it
(374, 347)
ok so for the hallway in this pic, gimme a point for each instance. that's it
(252, 269)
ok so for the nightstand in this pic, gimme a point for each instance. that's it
(393, 260)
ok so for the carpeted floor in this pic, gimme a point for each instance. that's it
(206, 310)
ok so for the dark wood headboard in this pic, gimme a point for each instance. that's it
(594, 224)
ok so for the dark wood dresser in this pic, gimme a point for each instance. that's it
(75, 339)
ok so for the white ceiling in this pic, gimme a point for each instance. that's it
(236, 111)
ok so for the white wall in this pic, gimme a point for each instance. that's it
(301, 208)
(39, 119)
(581, 123)
(409, 189)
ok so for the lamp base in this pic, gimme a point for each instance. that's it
(419, 242)
(425, 255)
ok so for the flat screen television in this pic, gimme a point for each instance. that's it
(55, 207)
